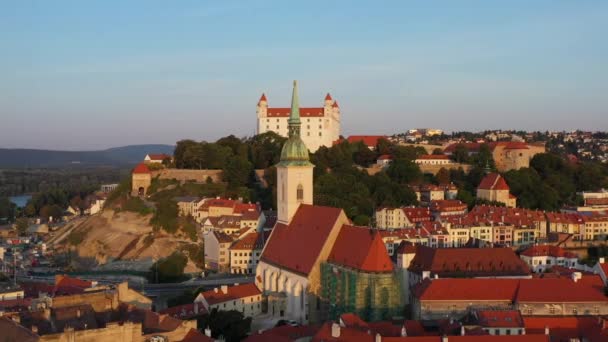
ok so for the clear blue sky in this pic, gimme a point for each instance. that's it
(96, 74)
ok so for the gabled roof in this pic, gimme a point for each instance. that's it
(472, 262)
(233, 292)
(304, 112)
(368, 140)
(467, 289)
(587, 289)
(158, 156)
(141, 168)
(362, 249)
(297, 246)
(493, 181)
(385, 157)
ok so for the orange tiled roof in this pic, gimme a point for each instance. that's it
(141, 168)
(360, 248)
(548, 250)
(234, 292)
(493, 181)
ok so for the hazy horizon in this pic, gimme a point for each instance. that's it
(90, 76)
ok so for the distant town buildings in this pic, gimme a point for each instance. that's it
(494, 188)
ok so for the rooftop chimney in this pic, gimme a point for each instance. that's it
(378, 338)
(335, 330)
(462, 332)
(576, 276)
(225, 288)
(444, 338)
(602, 260)
(207, 332)
(546, 330)
(215, 290)
(403, 332)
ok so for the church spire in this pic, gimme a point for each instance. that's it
(294, 115)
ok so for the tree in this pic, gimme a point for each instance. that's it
(438, 152)
(21, 225)
(443, 176)
(7, 209)
(232, 325)
(404, 171)
(169, 269)
(460, 154)
(237, 172)
(51, 211)
(484, 158)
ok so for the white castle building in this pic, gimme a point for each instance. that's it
(320, 125)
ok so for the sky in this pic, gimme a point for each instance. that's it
(85, 75)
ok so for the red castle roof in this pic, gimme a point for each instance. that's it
(328, 97)
(141, 168)
(304, 112)
(361, 248)
(233, 292)
(548, 250)
(297, 246)
(263, 98)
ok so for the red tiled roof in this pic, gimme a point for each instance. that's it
(66, 281)
(548, 250)
(468, 261)
(417, 214)
(158, 156)
(141, 168)
(222, 237)
(604, 267)
(447, 205)
(385, 157)
(304, 112)
(263, 98)
(362, 249)
(185, 311)
(353, 321)
(328, 97)
(499, 318)
(335, 105)
(251, 241)
(309, 227)
(196, 336)
(368, 140)
(433, 157)
(493, 181)
(234, 292)
(596, 201)
(566, 328)
(468, 289)
(591, 289)
(284, 333)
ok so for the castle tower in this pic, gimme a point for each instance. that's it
(294, 171)
(262, 111)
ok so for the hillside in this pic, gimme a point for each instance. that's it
(118, 156)
(122, 240)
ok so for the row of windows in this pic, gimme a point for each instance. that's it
(307, 120)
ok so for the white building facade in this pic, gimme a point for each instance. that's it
(320, 125)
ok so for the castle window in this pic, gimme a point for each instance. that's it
(300, 193)
(320, 134)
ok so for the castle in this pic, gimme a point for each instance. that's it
(320, 125)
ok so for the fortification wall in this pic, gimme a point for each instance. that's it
(184, 175)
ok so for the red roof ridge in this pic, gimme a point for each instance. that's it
(263, 98)
(328, 97)
(335, 105)
(141, 168)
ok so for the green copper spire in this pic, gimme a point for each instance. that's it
(294, 151)
(294, 116)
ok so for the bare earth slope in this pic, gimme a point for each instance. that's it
(111, 236)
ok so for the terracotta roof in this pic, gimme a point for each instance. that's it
(141, 168)
(604, 267)
(548, 250)
(328, 97)
(467, 289)
(417, 214)
(251, 241)
(234, 292)
(368, 140)
(385, 157)
(362, 249)
(472, 262)
(335, 105)
(284, 333)
(310, 227)
(263, 98)
(588, 289)
(196, 336)
(534, 290)
(566, 328)
(186, 311)
(159, 156)
(304, 112)
(433, 157)
(447, 205)
(493, 181)
(64, 280)
(499, 318)
(596, 201)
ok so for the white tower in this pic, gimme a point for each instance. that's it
(294, 171)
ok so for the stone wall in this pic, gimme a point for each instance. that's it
(113, 332)
(184, 175)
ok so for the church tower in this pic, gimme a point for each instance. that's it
(294, 171)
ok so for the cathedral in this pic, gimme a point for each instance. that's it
(320, 126)
(308, 270)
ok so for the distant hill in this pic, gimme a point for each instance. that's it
(117, 156)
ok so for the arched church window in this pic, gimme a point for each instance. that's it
(300, 193)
